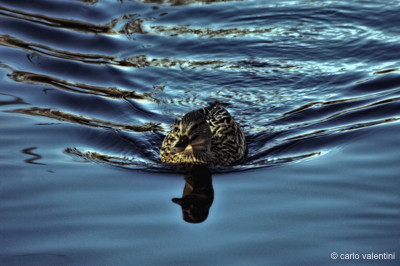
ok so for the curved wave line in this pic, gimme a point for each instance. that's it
(142, 61)
(157, 166)
(323, 132)
(35, 156)
(343, 128)
(60, 22)
(86, 121)
(109, 92)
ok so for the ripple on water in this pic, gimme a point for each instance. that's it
(299, 83)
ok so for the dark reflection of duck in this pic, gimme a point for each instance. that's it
(198, 194)
(206, 136)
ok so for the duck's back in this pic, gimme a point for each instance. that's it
(228, 141)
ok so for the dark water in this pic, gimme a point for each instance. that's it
(88, 90)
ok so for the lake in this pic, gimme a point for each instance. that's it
(89, 89)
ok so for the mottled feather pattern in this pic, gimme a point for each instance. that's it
(227, 143)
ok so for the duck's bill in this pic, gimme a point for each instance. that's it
(181, 145)
(177, 150)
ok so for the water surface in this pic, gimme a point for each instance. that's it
(89, 89)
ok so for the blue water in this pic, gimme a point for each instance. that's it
(88, 90)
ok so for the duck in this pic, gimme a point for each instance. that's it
(207, 136)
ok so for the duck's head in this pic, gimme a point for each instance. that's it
(194, 134)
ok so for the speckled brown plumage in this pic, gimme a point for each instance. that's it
(228, 143)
